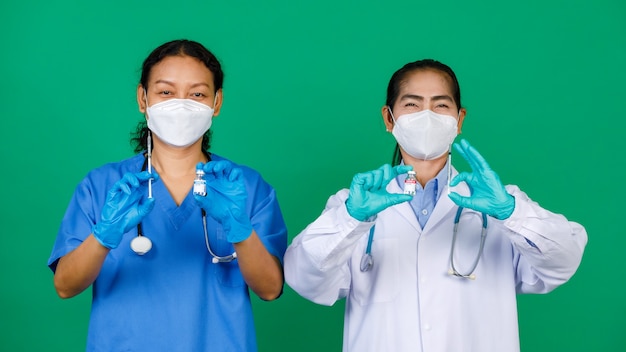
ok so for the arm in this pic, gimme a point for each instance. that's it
(78, 269)
(316, 263)
(262, 271)
(549, 247)
(257, 252)
(124, 208)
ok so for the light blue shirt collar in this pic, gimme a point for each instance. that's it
(425, 199)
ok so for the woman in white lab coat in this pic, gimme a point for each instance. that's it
(389, 253)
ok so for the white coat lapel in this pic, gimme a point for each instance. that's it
(404, 209)
(445, 205)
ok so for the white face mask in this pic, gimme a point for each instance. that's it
(425, 135)
(179, 122)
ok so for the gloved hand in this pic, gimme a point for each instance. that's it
(226, 197)
(126, 204)
(368, 194)
(488, 195)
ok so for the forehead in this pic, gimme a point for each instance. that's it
(426, 82)
(181, 69)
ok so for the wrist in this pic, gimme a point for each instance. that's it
(238, 231)
(108, 240)
(355, 213)
(506, 209)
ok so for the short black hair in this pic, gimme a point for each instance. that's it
(393, 89)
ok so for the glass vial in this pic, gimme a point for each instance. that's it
(410, 183)
(199, 183)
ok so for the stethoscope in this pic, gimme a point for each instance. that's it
(142, 244)
(367, 260)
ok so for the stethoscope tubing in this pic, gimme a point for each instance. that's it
(367, 260)
(215, 258)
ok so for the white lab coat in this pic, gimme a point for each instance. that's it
(408, 301)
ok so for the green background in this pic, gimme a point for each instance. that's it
(543, 82)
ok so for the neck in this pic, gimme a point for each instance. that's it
(425, 170)
(176, 162)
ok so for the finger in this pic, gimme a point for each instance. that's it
(144, 176)
(213, 167)
(476, 161)
(235, 174)
(461, 150)
(225, 167)
(367, 181)
(213, 170)
(463, 176)
(145, 206)
(388, 174)
(459, 200)
(124, 185)
(377, 178)
(358, 179)
(401, 169)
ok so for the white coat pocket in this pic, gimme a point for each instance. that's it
(380, 283)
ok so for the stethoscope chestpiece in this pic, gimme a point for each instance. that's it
(141, 245)
(367, 261)
(226, 259)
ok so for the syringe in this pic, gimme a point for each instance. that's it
(150, 164)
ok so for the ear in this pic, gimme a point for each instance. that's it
(219, 98)
(141, 99)
(462, 113)
(387, 119)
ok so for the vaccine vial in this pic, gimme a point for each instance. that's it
(410, 183)
(199, 183)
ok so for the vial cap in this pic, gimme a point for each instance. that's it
(411, 172)
(199, 172)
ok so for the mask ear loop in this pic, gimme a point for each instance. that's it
(145, 98)
(392, 117)
(215, 99)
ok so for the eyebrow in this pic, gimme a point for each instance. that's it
(192, 86)
(412, 96)
(421, 98)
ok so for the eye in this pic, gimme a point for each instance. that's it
(442, 106)
(198, 95)
(165, 92)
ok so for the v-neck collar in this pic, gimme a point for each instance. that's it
(177, 214)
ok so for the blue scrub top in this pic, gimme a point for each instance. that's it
(173, 298)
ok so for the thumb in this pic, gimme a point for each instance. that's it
(459, 200)
(393, 199)
(145, 207)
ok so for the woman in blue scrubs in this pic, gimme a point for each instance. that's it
(184, 287)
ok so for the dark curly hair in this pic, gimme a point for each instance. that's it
(174, 48)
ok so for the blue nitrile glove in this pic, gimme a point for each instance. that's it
(488, 195)
(368, 194)
(225, 199)
(126, 204)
